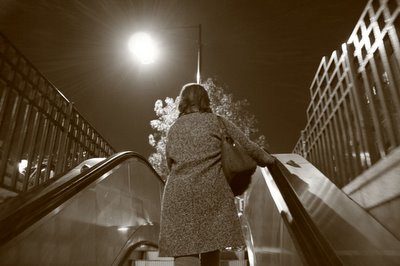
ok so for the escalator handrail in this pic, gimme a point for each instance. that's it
(31, 212)
(312, 246)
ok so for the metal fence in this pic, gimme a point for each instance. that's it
(41, 133)
(354, 113)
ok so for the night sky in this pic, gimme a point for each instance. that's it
(265, 51)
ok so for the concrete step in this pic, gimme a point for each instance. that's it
(153, 255)
(151, 258)
(152, 263)
(233, 263)
(171, 263)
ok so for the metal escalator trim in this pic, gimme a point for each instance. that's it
(276, 195)
(313, 248)
(36, 209)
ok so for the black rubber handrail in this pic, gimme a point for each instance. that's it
(31, 212)
(132, 247)
(313, 248)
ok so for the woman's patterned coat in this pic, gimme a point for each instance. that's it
(198, 211)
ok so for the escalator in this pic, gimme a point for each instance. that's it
(293, 215)
(88, 218)
(302, 208)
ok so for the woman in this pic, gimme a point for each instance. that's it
(198, 215)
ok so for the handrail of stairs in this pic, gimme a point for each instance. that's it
(313, 248)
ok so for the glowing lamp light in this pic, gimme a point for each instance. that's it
(143, 47)
(22, 166)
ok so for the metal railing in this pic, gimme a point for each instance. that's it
(354, 113)
(41, 133)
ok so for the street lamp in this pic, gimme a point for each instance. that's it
(144, 48)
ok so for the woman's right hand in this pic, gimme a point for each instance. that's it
(268, 160)
(271, 160)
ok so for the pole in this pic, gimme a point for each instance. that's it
(198, 75)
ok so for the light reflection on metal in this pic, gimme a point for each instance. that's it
(22, 166)
(123, 229)
(276, 195)
(248, 237)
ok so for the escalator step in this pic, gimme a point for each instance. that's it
(153, 263)
(171, 263)
(233, 263)
(153, 255)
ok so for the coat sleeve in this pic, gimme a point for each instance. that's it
(253, 149)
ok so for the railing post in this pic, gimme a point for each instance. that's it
(62, 153)
(360, 111)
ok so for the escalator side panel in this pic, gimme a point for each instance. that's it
(357, 238)
(93, 226)
(270, 240)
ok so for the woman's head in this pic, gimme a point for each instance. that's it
(193, 98)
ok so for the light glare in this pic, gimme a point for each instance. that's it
(22, 166)
(143, 47)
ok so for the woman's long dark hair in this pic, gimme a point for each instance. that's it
(193, 98)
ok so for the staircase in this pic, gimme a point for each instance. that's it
(148, 256)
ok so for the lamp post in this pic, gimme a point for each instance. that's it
(199, 44)
(143, 47)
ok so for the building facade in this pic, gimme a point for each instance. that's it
(353, 119)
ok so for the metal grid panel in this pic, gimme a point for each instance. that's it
(41, 133)
(354, 113)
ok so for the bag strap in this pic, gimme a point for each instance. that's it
(222, 127)
(224, 132)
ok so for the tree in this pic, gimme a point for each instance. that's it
(222, 104)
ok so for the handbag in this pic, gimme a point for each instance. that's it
(237, 165)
